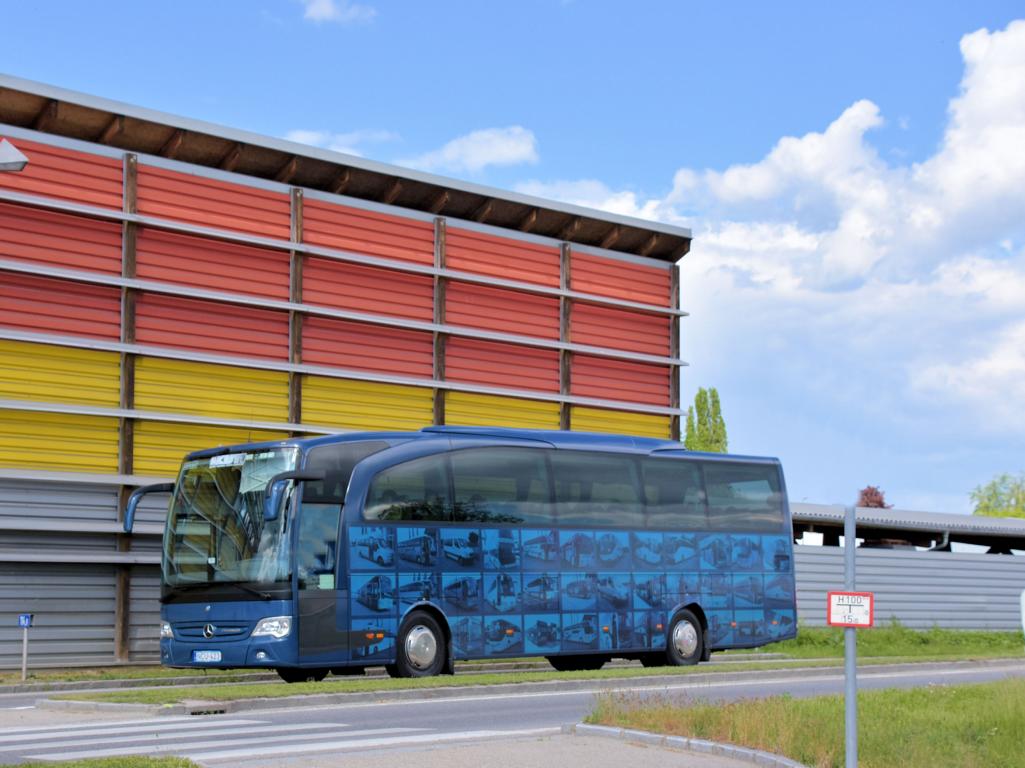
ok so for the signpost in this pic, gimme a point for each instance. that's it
(851, 610)
(24, 621)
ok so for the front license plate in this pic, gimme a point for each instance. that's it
(206, 657)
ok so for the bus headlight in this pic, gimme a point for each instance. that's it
(275, 626)
(165, 629)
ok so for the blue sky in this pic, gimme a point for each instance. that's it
(852, 175)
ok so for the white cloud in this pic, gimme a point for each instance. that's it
(339, 11)
(348, 143)
(874, 289)
(477, 150)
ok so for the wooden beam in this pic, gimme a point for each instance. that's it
(680, 251)
(528, 221)
(341, 182)
(172, 145)
(611, 237)
(571, 229)
(114, 129)
(439, 202)
(47, 116)
(649, 246)
(231, 159)
(287, 172)
(393, 192)
(483, 212)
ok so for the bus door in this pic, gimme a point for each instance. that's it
(322, 603)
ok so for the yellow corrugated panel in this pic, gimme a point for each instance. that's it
(365, 404)
(466, 409)
(205, 389)
(57, 441)
(619, 422)
(46, 373)
(160, 446)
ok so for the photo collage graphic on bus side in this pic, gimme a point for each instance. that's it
(509, 591)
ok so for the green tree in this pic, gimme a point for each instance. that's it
(1003, 496)
(706, 428)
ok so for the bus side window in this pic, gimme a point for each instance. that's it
(501, 485)
(598, 489)
(744, 496)
(336, 461)
(415, 490)
(674, 494)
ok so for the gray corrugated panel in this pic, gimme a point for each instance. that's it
(57, 541)
(919, 589)
(42, 500)
(152, 508)
(74, 614)
(144, 607)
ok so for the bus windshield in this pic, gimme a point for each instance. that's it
(216, 530)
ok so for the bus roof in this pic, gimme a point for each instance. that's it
(559, 439)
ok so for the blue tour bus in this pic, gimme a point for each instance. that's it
(415, 550)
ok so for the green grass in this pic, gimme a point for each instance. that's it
(120, 762)
(177, 694)
(103, 674)
(968, 725)
(897, 640)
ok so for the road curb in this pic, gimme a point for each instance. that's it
(704, 746)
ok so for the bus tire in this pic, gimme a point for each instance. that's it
(421, 650)
(685, 640)
(299, 675)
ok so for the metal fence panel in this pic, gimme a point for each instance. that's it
(956, 590)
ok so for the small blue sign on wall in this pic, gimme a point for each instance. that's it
(25, 620)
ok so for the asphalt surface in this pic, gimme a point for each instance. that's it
(473, 730)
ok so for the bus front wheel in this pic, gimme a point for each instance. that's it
(421, 647)
(296, 675)
(685, 640)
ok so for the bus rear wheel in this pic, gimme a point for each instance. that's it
(577, 663)
(297, 675)
(685, 640)
(421, 650)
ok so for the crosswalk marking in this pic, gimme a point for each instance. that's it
(255, 746)
(171, 740)
(154, 726)
(348, 743)
(107, 724)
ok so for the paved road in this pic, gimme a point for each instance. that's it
(280, 737)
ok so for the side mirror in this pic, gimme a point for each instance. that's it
(136, 497)
(275, 492)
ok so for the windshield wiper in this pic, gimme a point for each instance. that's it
(193, 586)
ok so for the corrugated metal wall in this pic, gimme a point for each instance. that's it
(920, 589)
(111, 372)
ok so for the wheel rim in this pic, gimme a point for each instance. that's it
(685, 638)
(421, 647)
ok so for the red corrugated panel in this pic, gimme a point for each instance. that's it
(67, 175)
(209, 326)
(501, 257)
(619, 380)
(619, 329)
(497, 309)
(213, 203)
(367, 232)
(212, 264)
(619, 279)
(31, 234)
(363, 347)
(501, 365)
(33, 303)
(332, 283)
